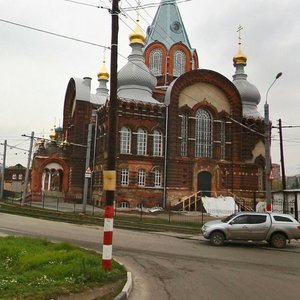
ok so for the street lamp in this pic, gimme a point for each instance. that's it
(267, 147)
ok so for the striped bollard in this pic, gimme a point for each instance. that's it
(108, 237)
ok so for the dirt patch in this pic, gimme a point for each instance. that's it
(106, 292)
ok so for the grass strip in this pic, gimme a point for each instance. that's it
(38, 269)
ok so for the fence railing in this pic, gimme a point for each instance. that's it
(287, 203)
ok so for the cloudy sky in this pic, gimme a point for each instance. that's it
(35, 67)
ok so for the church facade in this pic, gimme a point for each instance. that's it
(181, 130)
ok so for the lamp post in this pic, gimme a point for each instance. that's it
(267, 147)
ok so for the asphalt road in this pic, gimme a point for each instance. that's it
(178, 266)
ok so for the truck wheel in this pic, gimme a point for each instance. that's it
(278, 240)
(217, 238)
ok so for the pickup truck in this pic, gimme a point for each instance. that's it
(274, 228)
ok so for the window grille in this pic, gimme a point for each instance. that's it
(157, 143)
(179, 63)
(125, 140)
(156, 62)
(141, 142)
(223, 140)
(184, 135)
(203, 134)
(157, 178)
(141, 177)
(124, 177)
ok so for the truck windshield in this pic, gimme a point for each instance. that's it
(225, 220)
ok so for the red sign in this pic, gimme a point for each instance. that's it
(88, 172)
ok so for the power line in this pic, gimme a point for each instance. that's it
(105, 47)
(150, 5)
(86, 4)
(53, 33)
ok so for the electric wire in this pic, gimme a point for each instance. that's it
(94, 44)
(54, 34)
(105, 47)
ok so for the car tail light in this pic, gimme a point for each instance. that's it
(298, 227)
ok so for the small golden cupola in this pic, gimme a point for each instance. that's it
(53, 135)
(103, 73)
(240, 58)
(137, 35)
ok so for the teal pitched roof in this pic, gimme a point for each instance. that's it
(167, 26)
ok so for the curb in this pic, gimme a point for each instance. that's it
(126, 289)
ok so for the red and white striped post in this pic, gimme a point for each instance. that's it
(109, 175)
(108, 238)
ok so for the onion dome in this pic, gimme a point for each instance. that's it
(137, 36)
(53, 135)
(103, 73)
(102, 91)
(249, 93)
(58, 130)
(240, 58)
(135, 81)
(40, 143)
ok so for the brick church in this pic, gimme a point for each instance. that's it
(181, 129)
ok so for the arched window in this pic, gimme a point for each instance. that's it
(223, 140)
(156, 62)
(125, 140)
(52, 177)
(124, 177)
(141, 177)
(141, 142)
(184, 134)
(179, 63)
(157, 143)
(203, 134)
(157, 178)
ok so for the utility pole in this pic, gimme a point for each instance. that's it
(267, 157)
(282, 156)
(27, 169)
(3, 170)
(267, 147)
(109, 176)
(87, 173)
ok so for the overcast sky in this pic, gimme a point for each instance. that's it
(35, 67)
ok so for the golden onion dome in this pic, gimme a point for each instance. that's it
(103, 73)
(53, 135)
(240, 58)
(137, 36)
(40, 141)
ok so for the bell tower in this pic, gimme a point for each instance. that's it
(168, 52)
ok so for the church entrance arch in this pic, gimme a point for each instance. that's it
(52, 177)
(204, 183)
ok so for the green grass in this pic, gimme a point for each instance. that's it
(38, 269)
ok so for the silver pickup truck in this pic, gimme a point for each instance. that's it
(274, 228)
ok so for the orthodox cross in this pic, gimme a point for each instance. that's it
(240, 28)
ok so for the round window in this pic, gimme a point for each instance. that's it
(176, 27)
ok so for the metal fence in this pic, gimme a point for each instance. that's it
(282, 203)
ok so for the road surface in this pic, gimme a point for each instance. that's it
(177, 266)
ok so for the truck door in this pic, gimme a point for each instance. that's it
(259, 227)
(239, 228)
